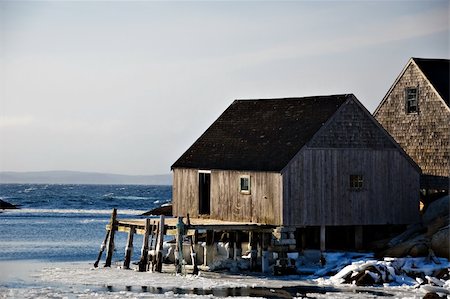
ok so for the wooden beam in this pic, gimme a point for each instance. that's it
(110, 247)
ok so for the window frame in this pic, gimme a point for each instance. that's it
(408, 100)
(356, 182)
(249, 185)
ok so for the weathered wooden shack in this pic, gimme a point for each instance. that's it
(416, 112)
(318, 162)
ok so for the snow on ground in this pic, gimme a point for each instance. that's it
(81, 280)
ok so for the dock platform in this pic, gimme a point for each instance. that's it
(189, 235)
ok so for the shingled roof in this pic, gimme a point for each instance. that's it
(260, 135)
(437, 72)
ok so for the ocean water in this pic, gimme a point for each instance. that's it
(66, 223)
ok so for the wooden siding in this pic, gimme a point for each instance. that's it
(425, 135)
(185, 192)
(317, 189)
(262, 205)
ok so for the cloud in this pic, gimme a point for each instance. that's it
(15, 121)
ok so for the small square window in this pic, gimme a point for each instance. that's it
(356, 182)
(411, 100)
(245, 184)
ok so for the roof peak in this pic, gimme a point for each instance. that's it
(429, 59)
(344, 95)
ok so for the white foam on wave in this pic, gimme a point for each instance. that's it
(76, 211)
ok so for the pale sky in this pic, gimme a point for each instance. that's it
(127, 87)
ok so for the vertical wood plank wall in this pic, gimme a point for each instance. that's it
(425, 135)
(185, 192)
(317, 188)
(262, 205)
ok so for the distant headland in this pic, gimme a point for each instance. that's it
(77, 177)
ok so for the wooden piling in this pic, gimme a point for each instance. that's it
(144, 251)
(358, 237)
(252, 246)
(160, 244)
(110, 247)
(322, 237)
(265, 243)
(129, 248)
(102, 248)
(179, 246)
(152, 255)
(238, 246)
(208, 256)
(231, 241)
(193, 253)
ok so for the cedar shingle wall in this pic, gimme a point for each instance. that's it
(351, 128)
(424, 135)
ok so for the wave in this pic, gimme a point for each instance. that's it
(77, 211)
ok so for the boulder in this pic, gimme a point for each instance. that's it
(6, 205)
(438, 208)
(440, 242)
(165, 210)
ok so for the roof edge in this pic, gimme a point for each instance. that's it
(428, 81)
(326, 124)
(410, 60)
(374, 120)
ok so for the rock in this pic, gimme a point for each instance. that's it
(165, 210)
(440, 242)
(405, 248)
(431, 296)
(442, 274)
(419, 249)
(438, 208)
(6, 205)
(365, 280)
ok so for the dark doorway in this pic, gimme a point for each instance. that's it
(204, 193)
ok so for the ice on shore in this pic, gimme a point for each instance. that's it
(401, 277)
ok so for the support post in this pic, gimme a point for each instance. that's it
(160, 244)
(209, 248)
(102, 248)
(238, 246)
(193, 253)
(303, 237)
(265, 240)
(231, 241)
(110, 247)
(129, 248)
(144, 251)
(322, 237)
(179, 246)
(358, 237)
(252, 244)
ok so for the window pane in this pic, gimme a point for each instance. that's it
(244, 184)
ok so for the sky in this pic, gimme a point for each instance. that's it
(127, 87)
